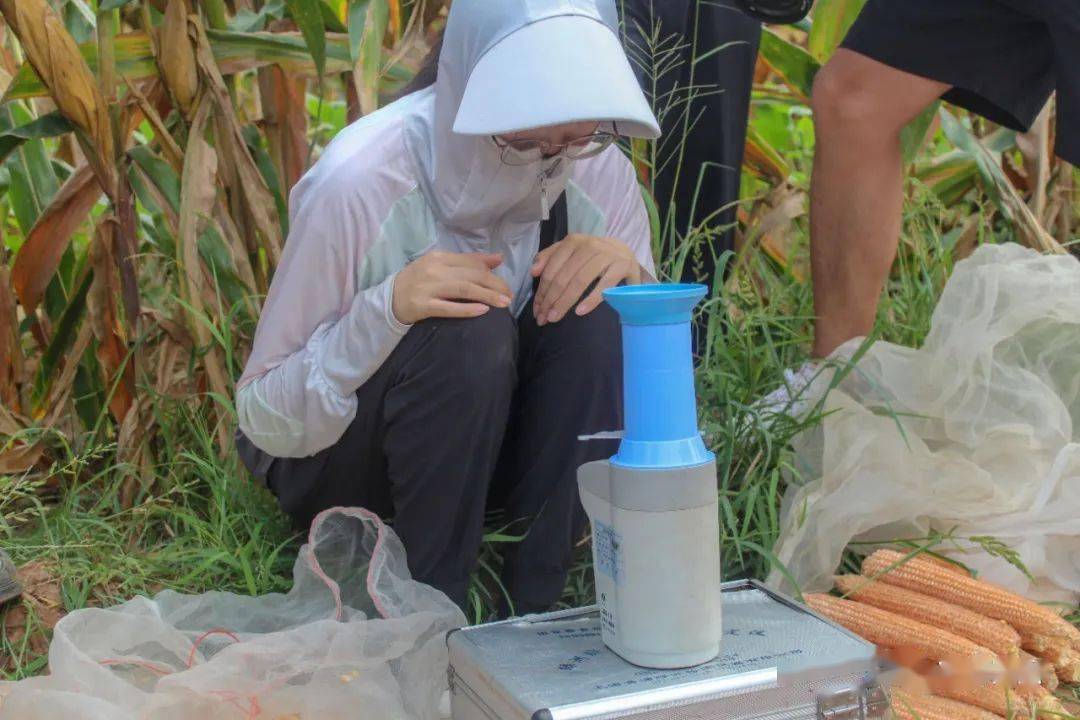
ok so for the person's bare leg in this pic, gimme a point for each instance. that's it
(856, 192)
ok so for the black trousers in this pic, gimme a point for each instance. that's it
(695, 59)
(464, 410)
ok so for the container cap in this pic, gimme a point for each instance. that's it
(655, 304)
(658, 376)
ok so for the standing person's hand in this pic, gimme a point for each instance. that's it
(448, 284)
(570, 266)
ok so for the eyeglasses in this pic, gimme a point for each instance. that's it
(526, 152)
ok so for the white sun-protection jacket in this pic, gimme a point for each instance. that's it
(393, 186)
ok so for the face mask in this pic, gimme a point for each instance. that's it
(547, 171)
(496, 192)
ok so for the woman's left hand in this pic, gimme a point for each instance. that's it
(570, 266)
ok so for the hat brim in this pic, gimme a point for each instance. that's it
(567, 68)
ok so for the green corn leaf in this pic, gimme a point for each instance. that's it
(986, 154)
(831, 21)
(269, 172)
(795, 66)
(334, 15)
(159, 172)
(761, 157)
(46, 126)
(914, 133)
(951, 176)
(308, 16)
(64, 333)
(248, 21)
(33, 181)
(357, 17)
(368, 20)
(234, 52)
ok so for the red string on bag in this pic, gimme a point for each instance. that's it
(202, 638)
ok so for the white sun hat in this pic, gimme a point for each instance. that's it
(545, 62)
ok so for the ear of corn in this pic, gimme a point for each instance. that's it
(56, 58)
(1038, 626)
(176, 56)
(946, 565)
(909, 706)
(1044, 701)
(890, 630)
(994, 635)
(1040, 671)
(1060, 654)
(1021, 702)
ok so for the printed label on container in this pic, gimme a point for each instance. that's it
(608, 546)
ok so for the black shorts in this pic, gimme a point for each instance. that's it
(1003, 58)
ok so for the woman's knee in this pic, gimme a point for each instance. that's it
(591, 343)
(475, 351)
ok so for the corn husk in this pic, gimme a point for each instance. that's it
(55, 57)
(176, 56)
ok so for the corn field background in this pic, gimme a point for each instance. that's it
(148, 148)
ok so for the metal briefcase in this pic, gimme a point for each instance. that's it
(779, 661)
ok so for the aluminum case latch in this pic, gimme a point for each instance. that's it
(876, 702)
(843, 705)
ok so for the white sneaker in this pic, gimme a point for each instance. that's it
(793, 397)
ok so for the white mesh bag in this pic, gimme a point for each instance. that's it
(974, 433)
(355, 637)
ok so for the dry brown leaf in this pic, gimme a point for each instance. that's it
(968, 239)
(226, 228)
(170, 374)
(127, 242)
(175, 330)
(133, 449)
(1034, 147)
(20, 458)
(169, 147)
(285, 121)
(40, 254)
(102, 312)
(55, 406)
(1063, 192)
(258, 205)
(198, 192)
(40, 609)
(10, 352)
(10, 421)
(773, 230)
(762, 162)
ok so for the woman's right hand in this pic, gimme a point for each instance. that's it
(448, 284)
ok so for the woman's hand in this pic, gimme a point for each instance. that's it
(568, 267)
(448, 284)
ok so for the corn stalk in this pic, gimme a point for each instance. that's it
(133, 266)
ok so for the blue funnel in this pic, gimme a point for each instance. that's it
(658, 376)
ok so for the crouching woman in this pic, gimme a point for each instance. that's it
(434, 337)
